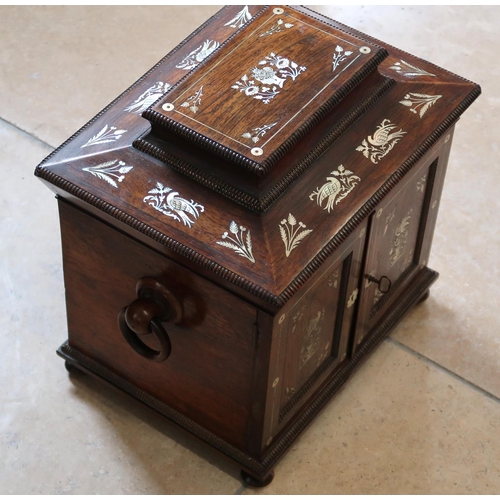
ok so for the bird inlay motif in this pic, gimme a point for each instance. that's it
(381, 142)
(173, 205)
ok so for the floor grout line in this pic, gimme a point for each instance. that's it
(27, 133)
(429, 361)
(240, 490)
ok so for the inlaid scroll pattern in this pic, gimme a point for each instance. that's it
(339, 56)
(292, 237)
(240, 19)
(194, 102)
(241, 244)
(407, 69)
(277, 27)
(173, 205)
(423, 101)
(107, 134)
(377, 146)
(110, 171)
(399, 240)
(336, 189)
(272, 76)
(198, 55)
(256, 133)
(148, 98)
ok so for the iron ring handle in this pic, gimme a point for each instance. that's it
(381, 289)
(139, 346)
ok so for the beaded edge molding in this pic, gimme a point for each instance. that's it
(316, 262)
(251, 202)
(263, 168)
(262, 468)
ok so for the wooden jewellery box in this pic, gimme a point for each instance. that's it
(244, 225)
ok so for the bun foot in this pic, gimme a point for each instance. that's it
(424, 297)
(253, 482)
(71, 368)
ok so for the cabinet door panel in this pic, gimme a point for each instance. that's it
(317, 327)
(394, 246)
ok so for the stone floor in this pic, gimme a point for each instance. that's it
(421, 416)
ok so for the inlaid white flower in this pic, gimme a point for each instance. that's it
(235, 240)
(407, 69)
(339, 56)
(292, 237)
(267, 75)
(107, 134)
(148, 98)
(109, 171)
(240, 19)
(277, 27)
(423, 101)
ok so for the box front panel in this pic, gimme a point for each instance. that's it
(208, 375)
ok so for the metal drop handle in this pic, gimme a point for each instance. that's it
(155, 305)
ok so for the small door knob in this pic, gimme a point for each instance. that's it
(384, 283)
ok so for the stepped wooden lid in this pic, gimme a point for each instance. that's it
(265, 87)
(190, 184)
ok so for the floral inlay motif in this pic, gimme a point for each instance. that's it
(292, 237)
(311, 341)
(339, 56)
(381, 142)
(256, 133)
(107, 134)
(399, 240)
(422, 101)
(197, 55)
(421, 183)
(272, 76)
(240, 19)
(388, 220)
(110, 171)
(333, 280)
(194, 101)
(336, 189)
(407, 69)
(377, 295)
(241, 244)
(147, 98)
(277, 27)
(173, 205)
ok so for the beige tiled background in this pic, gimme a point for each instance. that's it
(421, 416)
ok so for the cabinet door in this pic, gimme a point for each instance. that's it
(394, 246)
(315, 328)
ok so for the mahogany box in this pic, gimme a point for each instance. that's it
(246, 223)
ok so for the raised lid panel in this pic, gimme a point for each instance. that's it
(265, 86)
